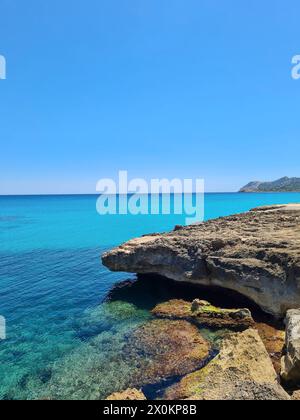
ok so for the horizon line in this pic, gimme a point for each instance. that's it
(99, 193)
(130, 193)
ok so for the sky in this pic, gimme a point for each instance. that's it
(160, 88)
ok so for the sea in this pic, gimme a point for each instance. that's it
(66, 315)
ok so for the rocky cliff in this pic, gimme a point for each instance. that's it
(280, 185)
(256, 254)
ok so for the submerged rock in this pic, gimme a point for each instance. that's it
(161, 349)
(204, 314)
(130, 394)
(256, 254)
(273, 339)
(133, 353)
(290, 371)
(241, 371)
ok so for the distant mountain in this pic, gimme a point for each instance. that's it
(281, 185)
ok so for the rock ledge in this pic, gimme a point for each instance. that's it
(256, 254)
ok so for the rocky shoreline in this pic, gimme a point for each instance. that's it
(256, 254)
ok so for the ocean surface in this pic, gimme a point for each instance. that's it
(66, 319)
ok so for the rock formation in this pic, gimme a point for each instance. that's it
(241, 371)
(162, 348)
(291, 361)
(273, 339)
(280, 185)
(204, 314)
(256, 254)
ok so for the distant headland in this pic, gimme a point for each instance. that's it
(285, 184)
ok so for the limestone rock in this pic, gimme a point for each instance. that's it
(130, 394)
(241, 371)
(204, 314)
(256, 254)
(291, 361)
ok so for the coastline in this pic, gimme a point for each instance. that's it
(242, 256)
(55, 246)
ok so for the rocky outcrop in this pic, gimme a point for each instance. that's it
(130, 394)
(256, 254)
(160, 349)
(241, 371)
(280, 185)
(204, 314)
(291, 361)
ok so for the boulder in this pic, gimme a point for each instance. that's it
(204, 314)
(130, 394)
(256, 254)
(290, 370)
(241, 371)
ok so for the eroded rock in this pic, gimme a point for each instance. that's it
(256, 254)
(242, 371)
(204, 314)
(290, 370)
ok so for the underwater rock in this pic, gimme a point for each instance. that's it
(161, 349)
(290, 370)
(241, 371)
(135, 352)
(256, 254)
(204, 314)
(130, 394)
(95, 368)
(273, 339)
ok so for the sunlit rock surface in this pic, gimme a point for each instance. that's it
(291, 361)
(241, 371)
(256, 254)
(204, 314)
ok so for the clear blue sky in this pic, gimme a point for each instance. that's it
(181, 88)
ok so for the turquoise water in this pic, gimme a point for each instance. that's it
(64, 336)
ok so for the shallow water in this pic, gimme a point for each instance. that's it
(65, 330)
